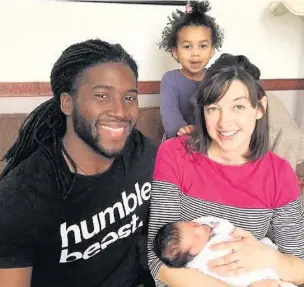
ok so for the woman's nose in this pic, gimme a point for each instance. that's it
(225, 118)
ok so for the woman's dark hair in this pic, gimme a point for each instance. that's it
(214, 86)
(45, 126)
(195, 17)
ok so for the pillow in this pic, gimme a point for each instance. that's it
(286, 138)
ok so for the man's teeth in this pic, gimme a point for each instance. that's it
(228, 134)
(113, 129)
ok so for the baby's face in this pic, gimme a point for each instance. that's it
(194, 236)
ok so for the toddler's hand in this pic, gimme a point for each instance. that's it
(186, 130)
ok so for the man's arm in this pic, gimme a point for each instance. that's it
(17, 277)
(16, 233)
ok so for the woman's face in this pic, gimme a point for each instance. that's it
(231, 121)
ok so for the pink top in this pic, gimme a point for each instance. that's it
(254, 196)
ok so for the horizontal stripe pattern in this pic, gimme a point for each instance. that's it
(288, 228)
(169, 204)
(254, 220)
(164, 208)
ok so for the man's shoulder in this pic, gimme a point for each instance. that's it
(27, 173)
(142, 144)
(140, 154)
(23, 190)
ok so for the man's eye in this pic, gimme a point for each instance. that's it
(101, 95)
(130, 98)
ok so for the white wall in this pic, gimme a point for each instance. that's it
(34, 32)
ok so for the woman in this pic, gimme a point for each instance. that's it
(226, 170)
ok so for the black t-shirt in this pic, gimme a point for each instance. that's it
(91, 237)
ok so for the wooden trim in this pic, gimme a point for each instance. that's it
(283, 84)
(35, 89)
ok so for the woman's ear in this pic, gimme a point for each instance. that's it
(262, 107)
(66, 104)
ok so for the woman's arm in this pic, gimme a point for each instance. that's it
(289, 268)
(165, 207)
(288, 234)
(171, 116)
(288, 227)
(186, 277)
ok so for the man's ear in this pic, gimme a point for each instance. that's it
(66, 104)
(261, 111)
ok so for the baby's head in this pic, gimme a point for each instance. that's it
(177, 243)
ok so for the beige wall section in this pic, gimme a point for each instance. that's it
(34, 32)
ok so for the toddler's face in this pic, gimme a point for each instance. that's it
(194, 236)
(194, 49)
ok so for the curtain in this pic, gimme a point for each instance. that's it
(280, 7)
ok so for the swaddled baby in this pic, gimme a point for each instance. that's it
(186, 244)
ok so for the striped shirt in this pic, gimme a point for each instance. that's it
(253, 196)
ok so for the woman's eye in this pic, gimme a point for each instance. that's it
(211, 109)
(239, 107)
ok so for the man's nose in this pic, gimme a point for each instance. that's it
(119, 109)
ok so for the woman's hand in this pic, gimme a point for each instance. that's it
(247, 254)
(266, 283)
(186, 130)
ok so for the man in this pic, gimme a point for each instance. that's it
(74, 196)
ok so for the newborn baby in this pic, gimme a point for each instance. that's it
(186, 244)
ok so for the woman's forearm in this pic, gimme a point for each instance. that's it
(184, 277)
(290, 268)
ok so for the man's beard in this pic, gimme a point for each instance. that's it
(84, 130)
